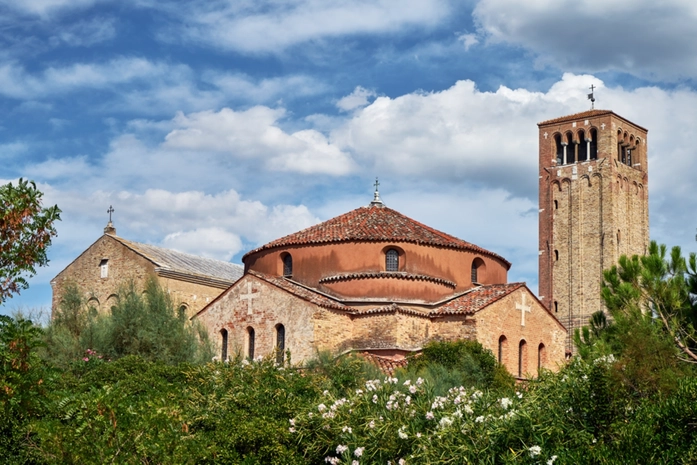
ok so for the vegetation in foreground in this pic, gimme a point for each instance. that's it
(629, 397)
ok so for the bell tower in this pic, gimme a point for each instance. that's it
(593, 208)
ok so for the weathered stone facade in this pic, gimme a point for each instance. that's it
(593, 189)
(111, 262)
(334, 287)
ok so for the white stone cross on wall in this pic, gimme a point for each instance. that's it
(248, 297)
(602, 126)
(545, 134)
(523, 309)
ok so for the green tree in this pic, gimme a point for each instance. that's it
(26, 229)
(659, 289)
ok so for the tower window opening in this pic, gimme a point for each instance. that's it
(556, 204)
(593, 155)
(104, 268)
(570, 149)
(522, 350)
(560, 149)
(392, 260)
(556, 255)
(556, 307)
(541, 355)
(582, 146)
(502, 348)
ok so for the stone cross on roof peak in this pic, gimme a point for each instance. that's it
(110, 229)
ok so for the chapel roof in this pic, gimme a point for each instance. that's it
(374, 223)
(179, 262)
(585, 114)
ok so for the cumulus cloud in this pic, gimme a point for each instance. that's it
(356, 99)
(85, 33)
(269, 26)
(468, 40)
(641, 37)
(254, 133)
(242, 86)
(205, 242)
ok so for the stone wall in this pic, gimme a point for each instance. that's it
(591, 212)
(123, 265)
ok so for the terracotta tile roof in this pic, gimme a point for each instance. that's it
(171, 260)
(375, 223)
(476, 299)
(576, 116)
(585, 114)
(386, 365)
(387, 275)
(301, 291)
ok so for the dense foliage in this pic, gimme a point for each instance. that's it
(26, 229)
(143, 322)
(629, 397)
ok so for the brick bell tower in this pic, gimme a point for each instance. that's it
(593, 208)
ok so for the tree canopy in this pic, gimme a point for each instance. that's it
(26, 230)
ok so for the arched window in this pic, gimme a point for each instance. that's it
(502, 349)
(287, 265)
(392, 260)
(104, 268)
(250, 343)
(582, 146)
(541, 357)
(223, 344)
(280, 343)
(556, 205)
(593, 155)
(570, 149)
(556, 255)
(522, 352)
(556, 307)
(559, 149)
(477, 271)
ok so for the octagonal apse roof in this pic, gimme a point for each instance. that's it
(374, 223)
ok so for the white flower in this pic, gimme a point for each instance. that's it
(291, 430)
(340, 449)
(292, 422)
(412, 389)
(332, 460)
(519, 394)
(445, 422)
(407, 382)
(355, 462)
(359, 451)
(430, 416)
(347, 429)
(359, 392)
(401, 433)
(375, 398)
(419, 381)
(535, 451)
(371, 425)
(402, 462)
(551, 460)
(479, 419)
(325, 393)
(505, 402)
(310, 415)
(418, 435)
(457, 414)
(321, 407)
(468, 409)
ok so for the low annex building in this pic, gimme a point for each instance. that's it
(111, 261)
(375, 281)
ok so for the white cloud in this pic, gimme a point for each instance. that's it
(205, 242)
(356, 99)
(271, 26)
(642, 37)
(44, 8)
(85, 33)
(468, 40)
(254, 133)
(67, 167)
(242, 86)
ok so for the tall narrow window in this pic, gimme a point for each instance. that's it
(250, 343)
(522, 348)
(560, 149)
(502, 348)
(223, 344)
(280, 343)
(104, 268)
(593, 145)
(582, 146)
(392, 260)
(477, 271)
(287, 265)
(541, 357)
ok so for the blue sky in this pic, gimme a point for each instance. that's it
(215, 126)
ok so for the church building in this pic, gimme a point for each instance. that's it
(101, 270)
(375, 281)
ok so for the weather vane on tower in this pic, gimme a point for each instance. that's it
(591, 97)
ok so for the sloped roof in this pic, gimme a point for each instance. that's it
(179, 262)
(585, 114)
(375, 223)
(477, 298)
(303, 292)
